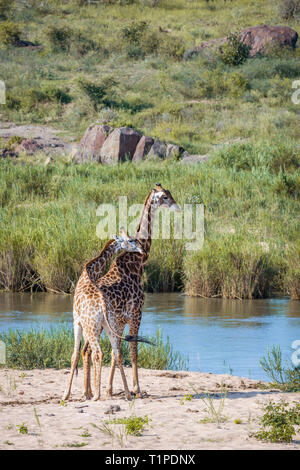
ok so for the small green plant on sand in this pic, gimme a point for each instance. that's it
(22, 428)
(185, 398)
(278, 422)
(238, 421)
(134, 425)
(215, 413)
(285, 378)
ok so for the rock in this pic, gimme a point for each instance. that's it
(4, 153)
(174, 151)
(143, 148)
(29, 146)
(193, 159)
(119, 145)
(112, 409)
(91, 143)
(258, 37)
(158, 149)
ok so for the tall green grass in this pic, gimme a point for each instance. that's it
(250, 194)
(40, 348)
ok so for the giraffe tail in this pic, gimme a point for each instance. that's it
(138, 339)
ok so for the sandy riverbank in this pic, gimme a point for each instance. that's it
(175, 422)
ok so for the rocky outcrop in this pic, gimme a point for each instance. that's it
(119, 146)
(91, 143)
(143, 148)
(100, 144)
(258, 38)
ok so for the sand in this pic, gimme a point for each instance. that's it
(34, 398)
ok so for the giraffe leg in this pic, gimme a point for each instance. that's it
(97, 358)
(111, 375)
(74, 360)
(86, 359)
(133, 330)
(115, 343)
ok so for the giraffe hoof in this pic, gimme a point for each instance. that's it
(96, 398)
(86, 396)
(109, 394)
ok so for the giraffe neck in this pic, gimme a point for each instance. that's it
(96, 266)
(144, 230)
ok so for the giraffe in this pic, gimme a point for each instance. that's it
(91, 271)
(124, 296)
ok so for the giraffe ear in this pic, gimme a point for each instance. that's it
(124, 234)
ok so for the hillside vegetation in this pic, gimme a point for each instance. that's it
(128, 63)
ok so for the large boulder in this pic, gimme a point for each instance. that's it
(91, 143)
(158, 150)
(143, 148)
(259, 38)
(119, 145)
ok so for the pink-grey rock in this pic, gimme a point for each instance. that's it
(194, 159)
(119, 146)
(91, 143)
(259, 38)
(143, 148)
(29, 146)
(158, 150)
(174, 151)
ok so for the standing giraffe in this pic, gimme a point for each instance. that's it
(122, 296)
(84, 323)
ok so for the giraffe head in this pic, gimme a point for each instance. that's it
(163, 198)
(124, 242)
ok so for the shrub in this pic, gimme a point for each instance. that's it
(5, 8)
(133, 32)
(288, 9)
(285, 377)
(97, 92)
(150, 42)
(234, 51)
(59, 38)
(53, 93)
(134, 51)
(9, 33)
(277, 423)
(172, 47)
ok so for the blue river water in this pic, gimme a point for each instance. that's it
(218, 336)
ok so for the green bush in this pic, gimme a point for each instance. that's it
(286, 377)
(277, 422)
(234, 51)
(133, 32)
(97, 92)
(172, 46)
(9, 33)
(5, 8)
(59, 38)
